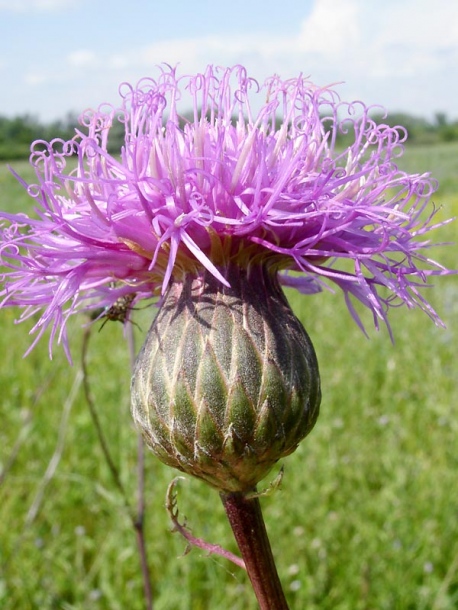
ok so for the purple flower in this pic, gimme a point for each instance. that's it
(252, 173)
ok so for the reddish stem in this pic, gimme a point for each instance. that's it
(250, 533)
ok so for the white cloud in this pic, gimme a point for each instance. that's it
(118, 62)
(331, 29)
(340, 40)
(82, 58)
(400, 53)
(36, 78)
(26, 6)
(398, 38)
(420, 24)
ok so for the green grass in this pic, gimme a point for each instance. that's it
(367, 515)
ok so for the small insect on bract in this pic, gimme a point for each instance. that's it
(120, 309)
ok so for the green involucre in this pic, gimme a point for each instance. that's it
(227, 382)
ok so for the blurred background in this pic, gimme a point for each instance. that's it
(367, 516)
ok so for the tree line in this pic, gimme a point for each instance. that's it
(17, 133)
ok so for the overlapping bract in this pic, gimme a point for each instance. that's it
(227, 381)
(255, 170)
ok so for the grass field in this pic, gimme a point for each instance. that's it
(367, 516)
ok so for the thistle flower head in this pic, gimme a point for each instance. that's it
(252, 173)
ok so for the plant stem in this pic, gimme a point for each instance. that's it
(138, 519)
(139, 527)
(250, 533)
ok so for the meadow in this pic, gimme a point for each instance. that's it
(367, 514)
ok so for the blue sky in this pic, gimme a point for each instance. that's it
(66, 55)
